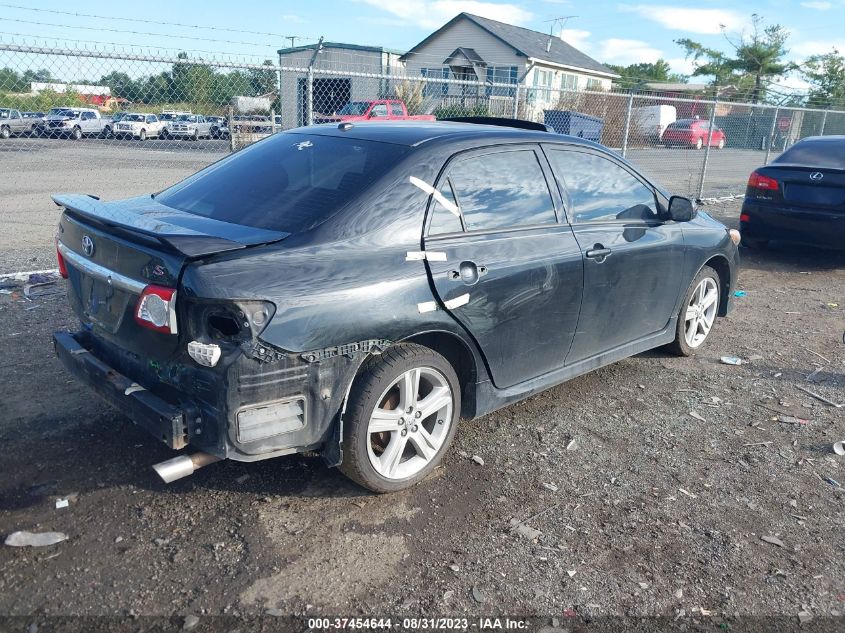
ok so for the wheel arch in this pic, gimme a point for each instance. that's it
(458, 353)
(720, 264)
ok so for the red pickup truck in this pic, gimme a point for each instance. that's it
(378, 110)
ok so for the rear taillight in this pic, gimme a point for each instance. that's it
(156, 309)
(744, 217)
(759, 181)
(60, 258)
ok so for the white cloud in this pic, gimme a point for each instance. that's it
(432, 14)
(293, 18)
(821, 6)
(577, 38)
(625, 52)
(681, 66)
(706, 21)
(805, 49)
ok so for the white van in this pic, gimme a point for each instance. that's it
(652, 121)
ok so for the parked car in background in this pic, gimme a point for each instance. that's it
(693, 133)
(34, 119)
(651, 121)
(798, 197)
(377, 110)
(169, 117)
(109, 123)
(189, 126)
(72, 123)
(12, 123)
(219, 126)
(356, 289)
(140, 125)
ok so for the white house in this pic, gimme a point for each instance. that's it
(333, 91)
(478, 49)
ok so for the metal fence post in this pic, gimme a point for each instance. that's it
(230, 116)
(707, 150)
(824, 122)
(309, 97)
(516, 102)
(771, 136)
(627, 124)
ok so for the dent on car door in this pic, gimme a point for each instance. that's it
(502, 264)
(633, 257)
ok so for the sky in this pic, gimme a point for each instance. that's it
(613, 32)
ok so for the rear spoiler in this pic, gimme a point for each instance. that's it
(501, 121)
(190, 234)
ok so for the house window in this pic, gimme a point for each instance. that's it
(568, 81)
(439, 88)
(501, 75)
(542, 86)
(594, 84)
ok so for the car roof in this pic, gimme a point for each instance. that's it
(416, 133)
(832, 138)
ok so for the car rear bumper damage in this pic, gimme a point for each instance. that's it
(265, 404)
(166, 422)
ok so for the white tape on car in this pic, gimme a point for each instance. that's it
(427, 188)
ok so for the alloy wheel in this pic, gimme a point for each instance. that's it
(411, 422)
(701, 312)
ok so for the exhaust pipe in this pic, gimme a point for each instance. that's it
(183, 465)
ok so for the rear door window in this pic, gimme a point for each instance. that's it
(600, 190)
(502, 190)
(289, 182)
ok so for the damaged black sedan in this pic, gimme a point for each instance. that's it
(355, 290)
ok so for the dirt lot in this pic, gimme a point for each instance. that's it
(651, 484)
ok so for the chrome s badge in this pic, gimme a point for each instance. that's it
(87, 245)
(816, 175)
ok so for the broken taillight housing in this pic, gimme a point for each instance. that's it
(61, 260)
(156, 309)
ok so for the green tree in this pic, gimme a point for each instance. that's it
(826, 75)
(11, 81)
(635, 74)
(758, 56)
(121, 85)
(263, 81)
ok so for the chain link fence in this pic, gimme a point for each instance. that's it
(121, 104)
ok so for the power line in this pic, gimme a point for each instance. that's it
(118, 46)
(143, 21)
(102, 28)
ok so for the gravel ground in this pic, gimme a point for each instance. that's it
(658, 486)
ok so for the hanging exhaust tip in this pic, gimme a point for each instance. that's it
(183, 465)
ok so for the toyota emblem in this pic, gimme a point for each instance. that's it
(87, 245)
(816, 175)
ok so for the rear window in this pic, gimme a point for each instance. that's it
(823, 154)
(680, 125)
(290, 182)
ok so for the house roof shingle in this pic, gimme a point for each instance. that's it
(529, 43)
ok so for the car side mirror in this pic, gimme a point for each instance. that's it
(681, 209)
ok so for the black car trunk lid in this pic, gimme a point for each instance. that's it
(114, 250)
(809, 187)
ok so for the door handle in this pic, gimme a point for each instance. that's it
(468, 272)
(598, 253)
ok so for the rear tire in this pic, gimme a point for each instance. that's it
(699, 144)
(698, 313)
(721, 143)
(411, 393)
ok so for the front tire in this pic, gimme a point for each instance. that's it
(698, 313)
(142, 136)
(5, 132)
(76, 134)
(699, 143)
(401, 417)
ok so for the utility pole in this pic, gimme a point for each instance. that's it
(292, 39)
